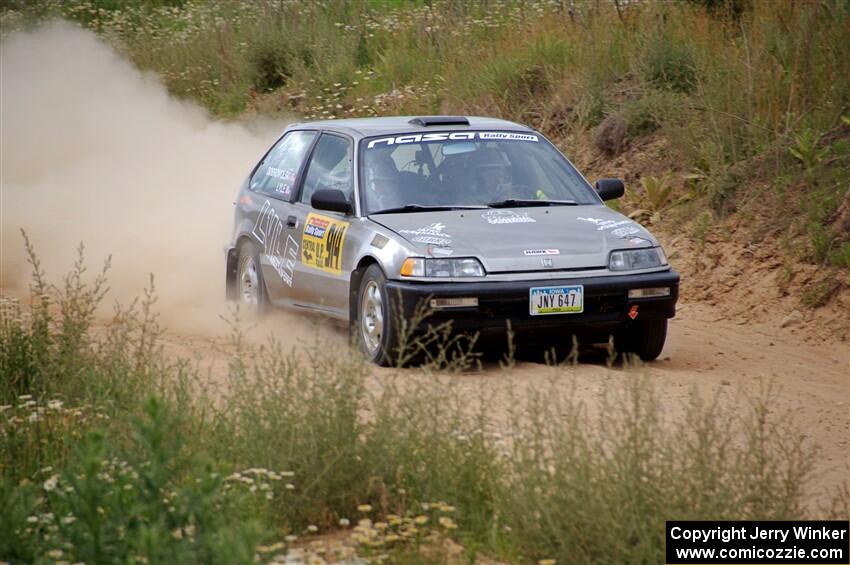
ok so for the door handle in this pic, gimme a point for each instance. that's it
(291, 221)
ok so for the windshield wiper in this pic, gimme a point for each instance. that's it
(520, 202)
(421, 208)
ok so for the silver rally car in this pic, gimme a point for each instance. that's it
(479, 221)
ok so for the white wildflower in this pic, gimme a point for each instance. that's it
(50, 483)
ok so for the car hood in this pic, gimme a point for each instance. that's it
(520, 239)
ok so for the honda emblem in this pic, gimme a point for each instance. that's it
(547, 263)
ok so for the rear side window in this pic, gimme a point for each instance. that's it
(277, 174)
(330, 167)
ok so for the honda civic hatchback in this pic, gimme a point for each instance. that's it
(477, 221)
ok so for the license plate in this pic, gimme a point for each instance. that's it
(556, 300)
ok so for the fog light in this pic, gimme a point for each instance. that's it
(649, 292)
(465, 302)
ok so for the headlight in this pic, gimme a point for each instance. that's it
(454, 267)
(633, 259)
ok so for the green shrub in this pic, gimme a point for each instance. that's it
(807, 150)
(840, 257)
(820, 291)
(669, 63)
(599, 489)
(152, 503)
(271, 66)
(702, 225)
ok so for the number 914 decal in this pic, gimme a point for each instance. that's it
(322, 244)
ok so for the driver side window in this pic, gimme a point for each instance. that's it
(277, 174)
(330, 167)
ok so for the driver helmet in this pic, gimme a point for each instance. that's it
(382, 178)
(491, 172)
(381, 173)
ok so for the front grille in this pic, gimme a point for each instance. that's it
(541, 270)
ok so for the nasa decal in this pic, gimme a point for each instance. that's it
(453, 136)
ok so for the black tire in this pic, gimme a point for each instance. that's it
(379, 345)
(249, 273)
(644, 338)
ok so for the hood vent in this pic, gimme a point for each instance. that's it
(426, 121)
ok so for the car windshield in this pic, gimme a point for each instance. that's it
(467, 168)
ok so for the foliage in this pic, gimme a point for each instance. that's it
(670, 63)
(153, 503)
(807, 150)
(658, 191)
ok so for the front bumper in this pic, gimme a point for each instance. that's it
(606, 302)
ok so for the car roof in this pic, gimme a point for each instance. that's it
(368, 127)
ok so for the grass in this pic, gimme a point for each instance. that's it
(113, 450)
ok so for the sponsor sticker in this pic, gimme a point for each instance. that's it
(507, 217)
(442, 251)
(538, 252)
(316, 226)
(285, 179)
(322, 244)
(432, 234)
(610, 224)
(624, 232)
(268, 230)
(379, 241)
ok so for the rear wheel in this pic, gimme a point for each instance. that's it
(644, 338)
(374, 329)
(250, 286)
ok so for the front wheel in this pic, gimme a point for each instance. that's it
(644, 338)
(374, 328)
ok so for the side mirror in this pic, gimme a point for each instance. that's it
(331, 199)
(609, 189)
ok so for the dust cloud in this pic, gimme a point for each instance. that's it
(92, 150)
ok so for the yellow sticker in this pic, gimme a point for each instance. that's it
(322, 244)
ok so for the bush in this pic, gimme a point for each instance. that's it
(599, 489)
(610, 135)
(151, 503)
(669, 63)
(270, 66)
